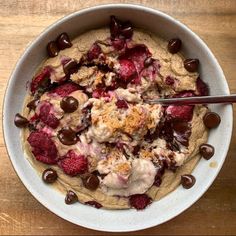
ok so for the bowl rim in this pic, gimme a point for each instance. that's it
(86, 10)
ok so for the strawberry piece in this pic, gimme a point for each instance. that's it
(41, 80)
(139, 201)
(180, 112)
(73, 164)
(202, 87)
(43, 147)
(94, 52)
(127, 70)
(47, 117)
(65, 89)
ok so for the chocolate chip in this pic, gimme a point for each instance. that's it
(207, 151)
(71, 197)
(33, 104)
(148, 61)
(67, 136)
(90, 181)
(49, 176)
(127, 30)
(188, 181)
(174, 45)
(191, 65)
(69, 104)
(52, 49)
(115, 27)
(20, 121)
(63, 41)
(70, 67)
(211, 120)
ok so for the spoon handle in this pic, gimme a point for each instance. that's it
(195, 100)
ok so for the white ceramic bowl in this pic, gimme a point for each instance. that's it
(117, 220)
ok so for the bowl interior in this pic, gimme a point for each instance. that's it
(118, 220)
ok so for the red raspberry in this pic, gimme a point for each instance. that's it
(93, 204)
(43, 147)
(73, 164)
(99, 92)
(94, 52)
(202, 87)
(47, 117)
(180, 112)
(65, 89)
(127, 70)
(121, 104)
(40, 80)
(139, 201)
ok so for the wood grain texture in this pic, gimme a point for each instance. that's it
(213, 20)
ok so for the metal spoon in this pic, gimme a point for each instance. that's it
(194, 100)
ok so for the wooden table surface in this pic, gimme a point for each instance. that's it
(213, 20)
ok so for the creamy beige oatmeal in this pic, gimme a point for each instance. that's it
(89, 121)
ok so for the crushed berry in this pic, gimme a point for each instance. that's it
(180, 112)
(157, 181)
(169, 80)
(137, 54)
(121, 104)
(99, 92)
(127, 70)
(139, 201)
(118, 43)
(47, 117)
(94, 52)
(93, 204)
(202, 87)
(65, 89)
(42, 80)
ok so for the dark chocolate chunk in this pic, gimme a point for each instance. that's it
(52, 49)
(207, 151)
(63, 41)
(49, 176)
(67, 136)
(211, 120)
(69, 104)
(174, 45)
(90, 181)
(188, 181)
(20, 121)
(191, 65)
(71, 197)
